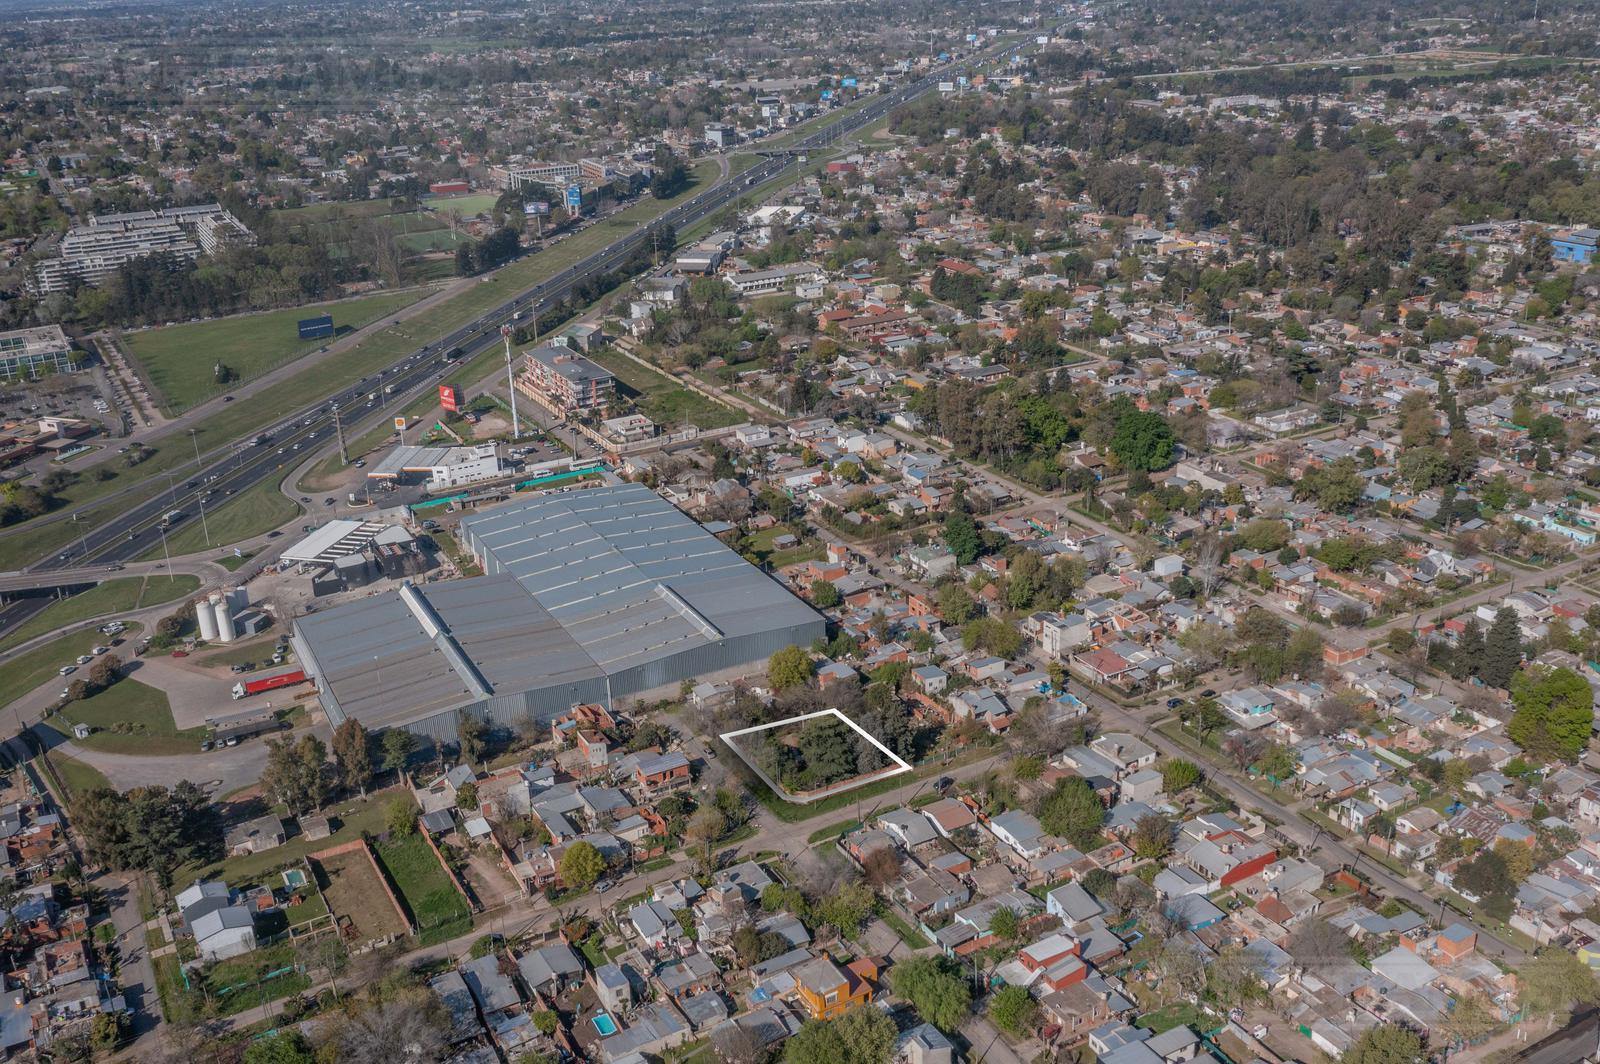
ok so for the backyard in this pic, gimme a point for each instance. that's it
(180, 361)
(353, 891)
(437, 908)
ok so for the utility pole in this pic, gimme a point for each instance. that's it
(511, 382)
(338, 429)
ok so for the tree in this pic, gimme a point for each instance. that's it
(1387, 1043)
(295, 774)
(789, 667)
(581, 865)
(1074, 811)
(1152, 836)
(1143, 440)
(881, 866)
(847, 907)
(1555, 712)
(398, 745)
(860, 1036)
(955, 605)
(1486, 875)
(961, 536)
(401, 818)
(107, 1029)
(1178, 775)
(1005, 923)
(824, 594)
(106, 671)
(152, 829)
(1234, 978)
(1471, 1019)
(1013, 1011)
(1554, 983)
(1502, 649)
(352, 753)
(473, 734)
(935, 989)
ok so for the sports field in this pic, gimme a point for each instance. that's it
(467, 205)
(180, 361)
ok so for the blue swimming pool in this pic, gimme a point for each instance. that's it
(604, 1024)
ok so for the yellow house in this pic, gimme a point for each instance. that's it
(826, 990)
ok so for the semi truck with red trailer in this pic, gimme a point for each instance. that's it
(268, 683)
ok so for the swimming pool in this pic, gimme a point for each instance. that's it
(604, 1024)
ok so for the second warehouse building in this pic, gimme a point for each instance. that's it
(588, 596)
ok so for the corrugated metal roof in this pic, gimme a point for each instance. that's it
(581, 585)
(628, 574)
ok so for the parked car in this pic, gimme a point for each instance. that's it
(67, 670)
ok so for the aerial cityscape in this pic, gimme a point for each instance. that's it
(602, 532)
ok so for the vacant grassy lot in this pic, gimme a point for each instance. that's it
(254, 511)
(77, 776)
(26, 671)
(383, 347)
(352, 889)
(180, 360)
(664, 400)
(436, 907)
(122, 595)
(129, 718)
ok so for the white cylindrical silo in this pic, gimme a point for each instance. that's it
(238, 599)
(205, 615)
(224, 621)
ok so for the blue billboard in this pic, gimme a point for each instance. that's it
(848, 83)
(316, 328)
(574, 198)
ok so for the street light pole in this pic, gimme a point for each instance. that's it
(511, 382)
(203, 527)
(196, 441)
(164, 551)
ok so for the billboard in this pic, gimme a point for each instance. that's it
(315, 328)
(536, 207)
(827, 94)
(399, 424)
(848, 83)
(450, 398)
(574, 198)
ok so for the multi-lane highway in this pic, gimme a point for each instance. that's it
(139, 529)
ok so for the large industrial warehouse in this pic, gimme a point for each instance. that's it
(589, 596)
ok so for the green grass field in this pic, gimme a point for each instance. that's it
(122, 595)
(178, 360)
(77, 776)
(437, 909)
(662, 399)
(29, 542)
(26, 671)
(477, 203)
(255, 511)
(433, 240)
(129, 718)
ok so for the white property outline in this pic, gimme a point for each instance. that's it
(898, 765)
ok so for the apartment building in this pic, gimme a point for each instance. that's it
(93, 251)
(563, 381)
